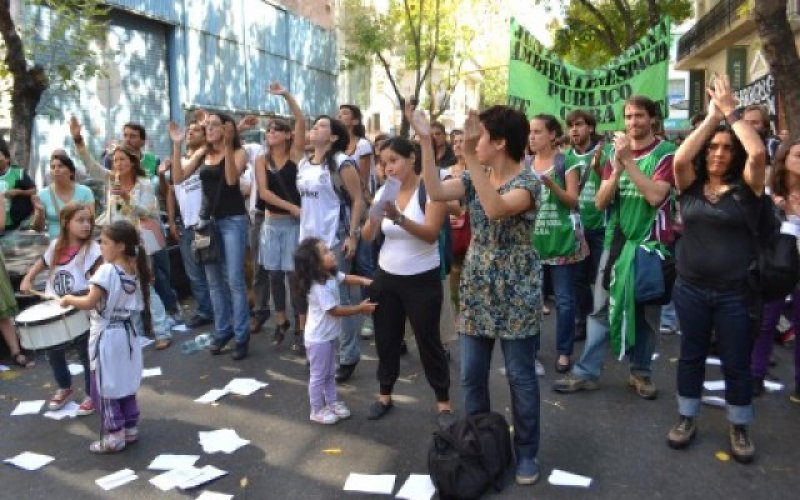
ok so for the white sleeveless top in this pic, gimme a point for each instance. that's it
(73, 277)
(403, 253)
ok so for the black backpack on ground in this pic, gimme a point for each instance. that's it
(470, 456)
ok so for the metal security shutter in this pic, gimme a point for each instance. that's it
(139, 54)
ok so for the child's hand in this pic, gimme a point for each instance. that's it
(367, 307)
(365, 281)
(65, 301)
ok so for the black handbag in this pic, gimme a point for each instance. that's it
(206, 245)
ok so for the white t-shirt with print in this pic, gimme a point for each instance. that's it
(73, 277)
(319, 215)
(189, 195)
(320, 325)
(364, 148)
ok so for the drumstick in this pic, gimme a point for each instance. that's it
(45, 296)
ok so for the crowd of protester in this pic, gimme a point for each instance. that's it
(505, 206)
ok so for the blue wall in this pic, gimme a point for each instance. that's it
(220, 54)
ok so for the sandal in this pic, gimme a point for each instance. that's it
(280, 332)
(111, 443)
(59, 399)
(21, 360)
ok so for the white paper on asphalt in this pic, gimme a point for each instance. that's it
(168, 461)
(116, 479)
(29, 461)
(75, 369)
(714, 385)
(222, 440)
(417, 487)
(213, 495)
(370, 483)
(244, 386)
(211, 396)
(151, 372)
(28, 408)
(563, 478)
(69, 410)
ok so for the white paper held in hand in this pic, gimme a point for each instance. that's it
(387, 194)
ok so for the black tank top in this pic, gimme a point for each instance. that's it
(716, 248)
(231, 200)
(277, 180)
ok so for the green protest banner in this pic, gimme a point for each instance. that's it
(540, 82)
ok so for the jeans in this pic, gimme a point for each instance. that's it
(587, 273)
(594, 351)
(765, 340)
(349, 341)
(196, 275)
(227, 284)
(260, 275)
(702, 311)
(669, 318)
(158, 317)
(519, 355)
(564, 289)
(57, 357)
(159, 261)
(365, 261)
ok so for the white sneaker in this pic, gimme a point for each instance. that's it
(367, 330)
(340, 410)
(324, 416)
(539, 369)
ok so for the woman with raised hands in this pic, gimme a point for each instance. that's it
(276, 176)
(719, 173)
(220, 164)
(500, 292)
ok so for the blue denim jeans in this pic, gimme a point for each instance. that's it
(594, 351)
(226, 282)
(587, 274)
(349, 340)
(196, 275)
(564, 289)
(57, 357)
(159, 261)
(519, 356)
(669, 318)
(702, 311)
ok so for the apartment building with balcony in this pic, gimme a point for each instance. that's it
(724, 40)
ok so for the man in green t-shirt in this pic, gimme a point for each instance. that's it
(16, 187)
(590, 154)
(637, 186)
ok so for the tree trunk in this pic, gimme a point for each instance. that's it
(28, 86)
(25, 98)
(780, 52)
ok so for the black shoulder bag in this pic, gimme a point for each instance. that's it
(205, 246)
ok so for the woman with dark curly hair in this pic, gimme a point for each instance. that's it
(786, 192)
(719, 172)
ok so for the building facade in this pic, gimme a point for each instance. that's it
(724, 40)
(164, 58)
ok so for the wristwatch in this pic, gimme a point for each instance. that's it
(399, 219)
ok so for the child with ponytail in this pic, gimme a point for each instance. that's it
(118, 290)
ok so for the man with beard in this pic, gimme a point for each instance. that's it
(589, 153)
(636, 186)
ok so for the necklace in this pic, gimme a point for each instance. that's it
(713, 194)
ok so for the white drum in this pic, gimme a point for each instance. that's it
(47, 324)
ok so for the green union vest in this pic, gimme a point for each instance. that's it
(635, 217)
(9, 181)
(149, 164)
(554, 233)
(591, 217)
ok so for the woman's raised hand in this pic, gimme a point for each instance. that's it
(74, 126)
(228, 133)
(276, 88)
(175, 132)
(472, 131)
(416, 118)
(200, 115)
(248, 122)
(721, 95)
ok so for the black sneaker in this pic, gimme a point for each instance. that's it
(198, 320)
(239, 352)
(742, 447)
(682, 434)
(344, 372)
(298, 346)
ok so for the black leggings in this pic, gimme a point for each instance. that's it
(276, 282)
(418, 298)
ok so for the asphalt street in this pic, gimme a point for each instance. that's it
(609, 435)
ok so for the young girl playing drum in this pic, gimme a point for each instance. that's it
(71, 259)
(114, 350)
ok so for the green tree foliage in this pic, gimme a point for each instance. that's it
(410, 37)
(592, 32)
(56, 53)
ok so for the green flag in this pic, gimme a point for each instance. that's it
(540, 82)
